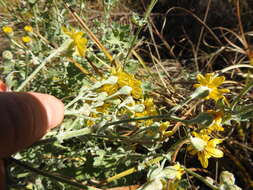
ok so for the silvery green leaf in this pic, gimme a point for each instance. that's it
(98, 104)
(102, 96)
(170, 172)
(125, 90)
(200, 92)
(136, 108)
(128, 100)
(86, 109)
(110, 80)
(156, 174)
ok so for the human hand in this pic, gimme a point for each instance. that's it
(24, 119)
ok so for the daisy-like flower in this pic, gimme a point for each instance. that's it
(150, 110)
(26, 39)
(215, 125)
(124, 79)
(177, 173)
(79, 43)
(7, 29)
(212, 82)
(28, 28)
(204, 148)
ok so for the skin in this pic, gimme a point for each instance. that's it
(25, 118)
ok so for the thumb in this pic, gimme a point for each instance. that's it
(25, 118)
(2, 175)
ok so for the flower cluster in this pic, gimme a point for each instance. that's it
(8, 30)
(202, 144)
(127, 104)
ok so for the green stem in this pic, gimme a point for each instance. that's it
(147, 13)
(36, 71)
(203, 118)
(201, 179)
(49, 175)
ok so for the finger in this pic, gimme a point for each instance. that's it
(25, 118)
(2, 176)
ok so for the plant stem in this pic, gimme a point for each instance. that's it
(242, 93)
(37, 70)
(201, 179)
(147, 13)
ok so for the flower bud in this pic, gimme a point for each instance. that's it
(227, 178)
(7, 55)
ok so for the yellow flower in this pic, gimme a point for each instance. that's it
(179, 171)
(28, 28)
(163, 127)
(104, 108)
(26, 39)
(91, 122)
(79, 43)
(150, 110)
(124, 79)
(204, 148)
(212, 82)
(7, 29)
(109, 88)
(216, 124)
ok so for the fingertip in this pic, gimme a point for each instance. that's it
(54, 108)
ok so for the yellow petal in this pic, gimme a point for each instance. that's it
(217, 81)
(214, 152)
(197, 85)
(80, 50)
(201, 79)
(168, 133)
(215, 94)
(214, 142)
(209, 77)
(223, 91)
(203, 159)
